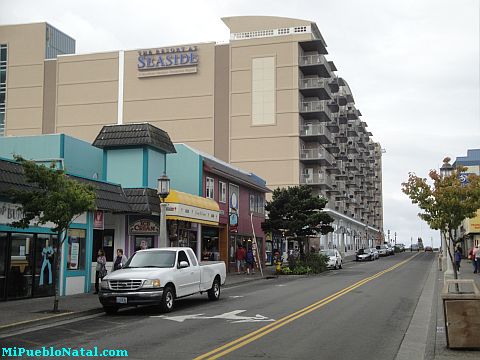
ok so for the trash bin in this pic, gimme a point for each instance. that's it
(462, 314)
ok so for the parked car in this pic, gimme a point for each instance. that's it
(428, 248)
(401, 247)
(159, 277)
(364, 255)
(391, 250)
(414, 247)
(376, 255)
(335, 260)
(382, 250)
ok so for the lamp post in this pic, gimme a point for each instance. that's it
(163, 189)
(446, 170)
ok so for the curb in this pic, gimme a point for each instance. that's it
(41, 321)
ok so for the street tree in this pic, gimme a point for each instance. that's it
(297, 213)
(445, 201)
(55, 198)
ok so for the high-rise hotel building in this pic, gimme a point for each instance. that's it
(268, 102)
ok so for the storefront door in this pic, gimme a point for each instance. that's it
(20, 273)
(3, 264)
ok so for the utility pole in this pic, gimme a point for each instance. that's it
(388, 232)
(395, 238)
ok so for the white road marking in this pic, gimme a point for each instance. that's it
(236, 296)
(231, 317)
(281, 285)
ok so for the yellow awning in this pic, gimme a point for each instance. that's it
(188, 207)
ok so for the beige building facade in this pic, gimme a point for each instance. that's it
(269, 102)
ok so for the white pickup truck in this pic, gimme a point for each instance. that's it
(158, 277)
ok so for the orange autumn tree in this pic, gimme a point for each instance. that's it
(445, 203)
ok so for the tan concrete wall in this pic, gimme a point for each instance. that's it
(181, 104)
(49, 96)
(222, 107)
(26, 53)
(272, 151)
(87, 94)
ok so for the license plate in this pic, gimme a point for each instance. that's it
(121, 300)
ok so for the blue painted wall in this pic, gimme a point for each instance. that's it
(156, 167)
(185, 170)
(125, 167)
(40, 147)
(81, 158)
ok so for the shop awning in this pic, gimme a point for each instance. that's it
(188, 207)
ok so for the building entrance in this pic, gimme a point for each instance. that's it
(27, 265)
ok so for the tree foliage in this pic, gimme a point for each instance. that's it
(297, 212)
(446, 202)
(53, 198)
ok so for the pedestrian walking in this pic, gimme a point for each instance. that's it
(458, 258)
(240, 256)
(120, 260)
(100, 270)
(250, 260)
(476, 258)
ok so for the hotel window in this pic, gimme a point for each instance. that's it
(223, 192)
(3, 86)
(209, 188)
(263, 91)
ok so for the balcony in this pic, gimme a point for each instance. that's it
(333, 148)
(352, 165)
(315, 65)
(315, 110)
(352, 114)
(321, 180)
(352, 148)
(341, 137)
(314, 45)
(333, 125)
(318, 155)
(315, 87)
(316, 132)
(334, 86)
(334, 168)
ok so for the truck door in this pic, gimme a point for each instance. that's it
(183, 275)
(195, 272)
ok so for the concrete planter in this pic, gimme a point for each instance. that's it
(462, 314)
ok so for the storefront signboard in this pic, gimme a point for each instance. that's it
(167, 61)
(192, 212)
(98, 223)
(143, 226)
(234, 192)
(12, 212)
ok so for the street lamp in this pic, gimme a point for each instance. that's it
(163, 189)
(446, 170)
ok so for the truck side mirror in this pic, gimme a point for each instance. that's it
(183, 264)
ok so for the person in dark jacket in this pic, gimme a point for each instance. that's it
(458, 258)
(250, 260)
(120, 260)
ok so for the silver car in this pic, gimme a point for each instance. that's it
(335, 260)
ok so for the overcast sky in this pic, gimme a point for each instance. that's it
(412, 65)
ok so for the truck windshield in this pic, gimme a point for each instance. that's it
(160, 259)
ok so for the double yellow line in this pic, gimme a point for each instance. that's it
(257, 334)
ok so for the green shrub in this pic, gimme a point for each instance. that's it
(286, 271)
(302, 270)
(316, 262)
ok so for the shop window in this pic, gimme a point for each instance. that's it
(210, 244)
(209, 188)
(143, 242)
(44, 265)
(21, 266)
(3, 263)
(223, 192)
(76, 249)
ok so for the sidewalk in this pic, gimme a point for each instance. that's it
(440, 351)
(425, 337)
(19, 314)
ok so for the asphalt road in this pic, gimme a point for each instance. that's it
(359, 312)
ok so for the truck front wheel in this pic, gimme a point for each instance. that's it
(168, 299)
(214, 292)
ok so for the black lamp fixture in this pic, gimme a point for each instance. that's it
(163, 186)
(447, 168)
